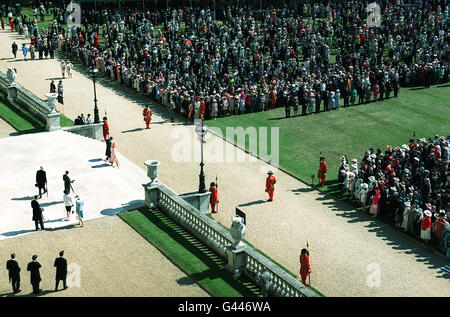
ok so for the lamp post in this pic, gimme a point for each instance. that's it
(94, 72)
(201, 131)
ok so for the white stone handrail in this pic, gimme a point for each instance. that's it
(217, 238)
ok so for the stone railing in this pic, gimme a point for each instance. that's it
(42, 110)
(93, 131)
(218, 239)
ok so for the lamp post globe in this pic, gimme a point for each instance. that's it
(201, 131)
(94, 72)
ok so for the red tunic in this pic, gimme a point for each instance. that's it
(270, 185)
(213, 198)
(322, 170)
(105, 129)
(304, 265)
(147, 113)
(202, 110)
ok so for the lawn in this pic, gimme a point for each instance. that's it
(189, 254)
(23, 121)
(349, 131)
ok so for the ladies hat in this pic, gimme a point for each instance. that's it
(427, 213)
(371, 178)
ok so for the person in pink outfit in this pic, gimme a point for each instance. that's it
(113, 158)
(375, 200)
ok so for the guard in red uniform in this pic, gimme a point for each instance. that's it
(191, 111)
(147, 113)
(105, 128)
(305, 268)
(202, 109)
(270, 185)
(322, 173)
(214, 197)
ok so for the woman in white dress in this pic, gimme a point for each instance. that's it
(68, 203)
(405, 223)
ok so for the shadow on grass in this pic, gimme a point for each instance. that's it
(215, 264)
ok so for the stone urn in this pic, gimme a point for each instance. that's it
(11, 74)
(237, 231)
(152, 170)
(51, 101)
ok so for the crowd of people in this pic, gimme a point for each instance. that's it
(408, 184)
(254, 60)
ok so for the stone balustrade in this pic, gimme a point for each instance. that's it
(30, 102)
(217, 238)
(93, 130)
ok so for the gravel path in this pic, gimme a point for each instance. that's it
(351, 254)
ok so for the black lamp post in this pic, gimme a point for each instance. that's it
(201, 132)
(94, 72)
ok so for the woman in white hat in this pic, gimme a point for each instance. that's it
(405, 223)
(425, 233)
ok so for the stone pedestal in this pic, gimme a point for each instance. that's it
(199, 200)
(53, 121)
(151, 194)
(236, 260)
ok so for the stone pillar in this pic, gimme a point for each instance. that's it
(53, 117)
(236, 251)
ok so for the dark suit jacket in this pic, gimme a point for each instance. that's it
(41, 178)
(35, 276)
(108, 147)
(61, 268)
(67, 182)
(37, 212)
(14, 270)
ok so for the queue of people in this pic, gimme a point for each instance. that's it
(407, 184)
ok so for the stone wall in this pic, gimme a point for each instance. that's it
(218, 239)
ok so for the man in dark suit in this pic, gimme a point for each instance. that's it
(41, 181)
(37, 213)
(35, 276)
(14, 273)
(108, 147)
(61, 270)
(14, 49)
(67, 182)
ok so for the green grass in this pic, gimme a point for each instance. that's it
(350, 131)
(23, 121)
(188, 253)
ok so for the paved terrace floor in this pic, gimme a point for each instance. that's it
(113, 260)
(345, 245)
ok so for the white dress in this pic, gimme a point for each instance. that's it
(363, 192)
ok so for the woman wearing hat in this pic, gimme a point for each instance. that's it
(375, 199)
(113, 158)
(270, 185)
(425, 233)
